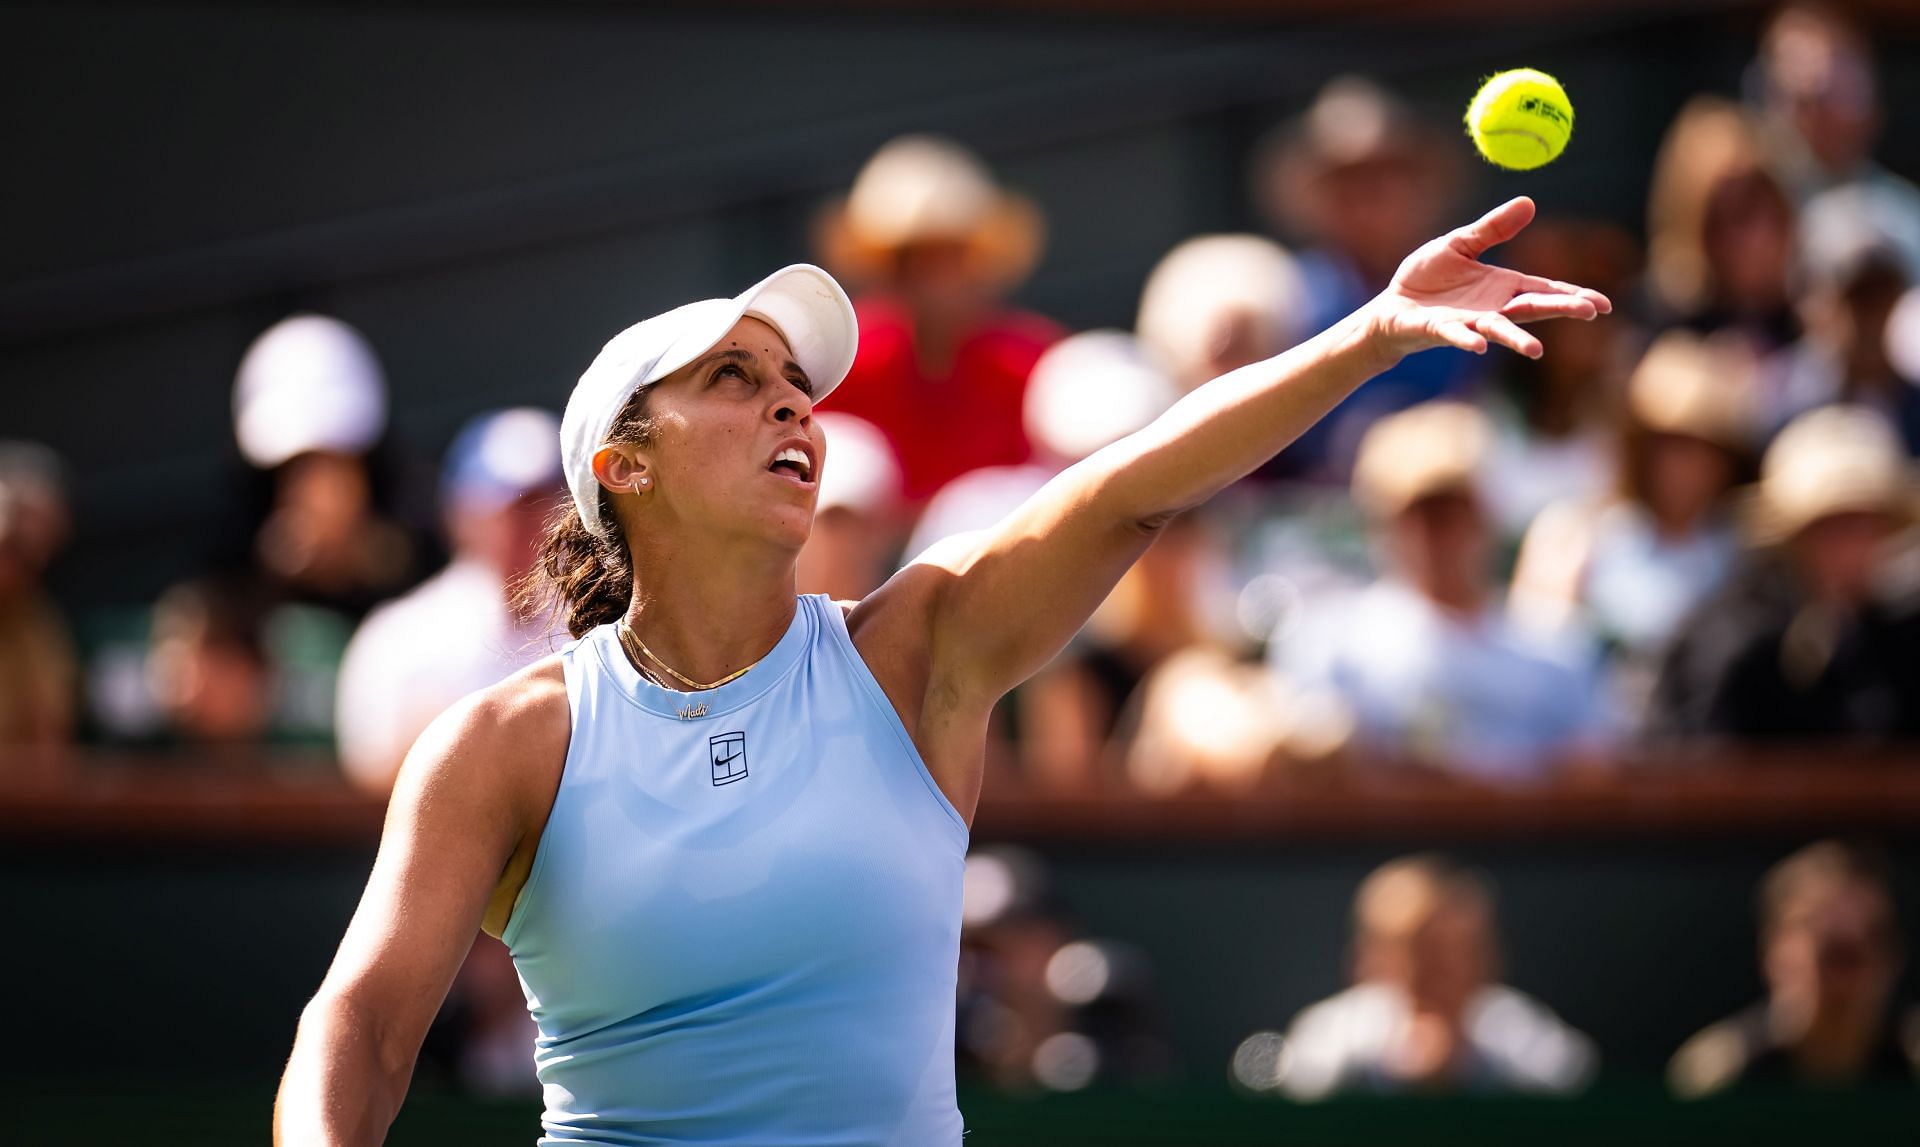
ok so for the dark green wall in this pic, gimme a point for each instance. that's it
(145, 962)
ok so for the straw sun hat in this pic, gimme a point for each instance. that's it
(922, 188)
(1834, 460)
(1696, 387)
(1432, 448)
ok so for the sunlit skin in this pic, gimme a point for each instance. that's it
(714, 537)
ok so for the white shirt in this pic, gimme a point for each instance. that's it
(419, 653)
(1515, 1043)
(1474, 694)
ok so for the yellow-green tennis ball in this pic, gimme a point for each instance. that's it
(1520, 119)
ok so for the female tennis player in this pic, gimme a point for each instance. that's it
(722, 833)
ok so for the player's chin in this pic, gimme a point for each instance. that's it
(792, 522)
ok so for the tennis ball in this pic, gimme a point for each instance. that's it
(1520, 119)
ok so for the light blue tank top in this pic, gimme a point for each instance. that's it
(742, 925)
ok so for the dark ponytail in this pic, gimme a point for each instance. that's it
(588, 577)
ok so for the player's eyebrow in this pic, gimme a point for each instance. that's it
(730, 354)
(735, 355)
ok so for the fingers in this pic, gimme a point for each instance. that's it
(1533, 307)
(1457, 333)
(1534, 284)
(1493, 228)
(1507, 333)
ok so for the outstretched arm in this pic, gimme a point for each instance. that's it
(1016, 594)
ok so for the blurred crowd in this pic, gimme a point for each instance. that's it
(1690, 525)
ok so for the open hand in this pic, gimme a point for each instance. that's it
(1443, 295)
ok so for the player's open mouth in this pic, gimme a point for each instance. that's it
(793, 464)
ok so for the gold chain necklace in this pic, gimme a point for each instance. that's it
(629, 639)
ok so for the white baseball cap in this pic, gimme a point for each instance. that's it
(308, 383)
(802, 302)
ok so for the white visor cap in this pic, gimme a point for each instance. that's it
(802, 302)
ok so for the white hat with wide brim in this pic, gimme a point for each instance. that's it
(802, 302)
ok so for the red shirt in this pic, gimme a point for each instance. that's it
(943, 427)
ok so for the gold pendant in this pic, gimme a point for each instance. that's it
(691, 711)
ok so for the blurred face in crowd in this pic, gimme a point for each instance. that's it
(1833, 950)
(1749, 242)
(1377, 211)
(328, 492)
(1821, 78)
(845, 557)
(940, 280)
(505, 538)
(1686, 478)
(33, 527)
(1439, 952)
(212, 688)
(718, 424)
(1440, 544)
(1838, 556)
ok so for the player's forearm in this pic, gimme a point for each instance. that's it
(342, 1087)
(1226, 429)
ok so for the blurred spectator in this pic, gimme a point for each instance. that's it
(1039, 1006)
(1815, 86)
(1426, 1012)
(1721, 230)
(458, 631)
(1632, 568)
(1425, 658)
(207, 664)
(856, 516)
(1855, 280)
(1820, 638)
(943, 362)
(1361, 182)
(1087, 391)
(38, 675)
(1555, 417)
(309, 403)
(1830, 953)
(1216, 303)
(1204, 714)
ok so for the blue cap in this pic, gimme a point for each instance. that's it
(500, 456)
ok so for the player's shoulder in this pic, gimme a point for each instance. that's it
(528, 704)
(500, 735)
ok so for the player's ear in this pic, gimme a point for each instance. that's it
(622, 469)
